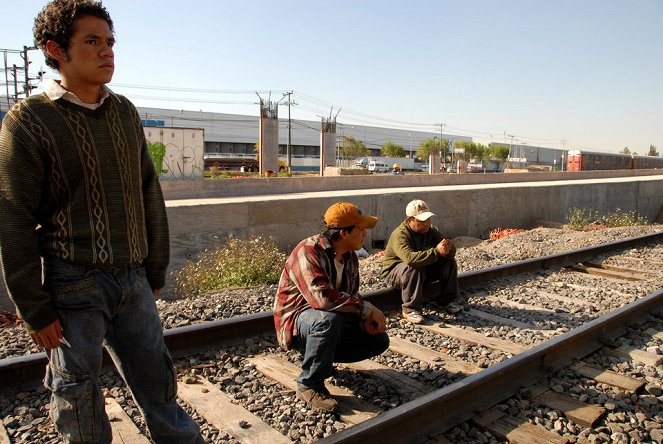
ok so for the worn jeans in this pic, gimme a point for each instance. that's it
(116, 309)
(412, 280)
(326, 337)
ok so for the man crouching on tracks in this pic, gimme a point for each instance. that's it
(416, 254)
(318, 308)
(79, 190)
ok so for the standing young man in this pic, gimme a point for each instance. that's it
(79, 191)
(417, 253)
(318, 308)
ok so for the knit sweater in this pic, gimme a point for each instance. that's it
(80, 185)
(415, 249)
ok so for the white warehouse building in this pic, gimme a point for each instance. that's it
(235, 135)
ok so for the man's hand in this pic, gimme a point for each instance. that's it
(444, 247)
(49, 337)
(376, 322)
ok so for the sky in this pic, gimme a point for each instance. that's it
(572, 74)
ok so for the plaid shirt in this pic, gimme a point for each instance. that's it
(308, 280)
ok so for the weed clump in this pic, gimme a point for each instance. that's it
(587, 219)
(619, 218)
(238, 263)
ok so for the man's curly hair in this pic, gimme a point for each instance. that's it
(56, 22)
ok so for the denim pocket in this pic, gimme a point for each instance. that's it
(74, 406)
(65, 282)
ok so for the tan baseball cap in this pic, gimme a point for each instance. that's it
(419, 210)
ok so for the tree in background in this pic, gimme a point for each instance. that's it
(390, 149)
(471, 151)
(158, 152)
(351, 147)
(652, 151)
(498, 152)
(626, 150)
(428, 146)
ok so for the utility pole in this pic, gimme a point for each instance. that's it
(288, 156)
(15, 71)
(444, 149)
(27, 87)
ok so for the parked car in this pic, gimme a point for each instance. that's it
(361, 163)
(424, 168)
(377, 167)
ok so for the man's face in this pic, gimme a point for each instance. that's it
(355, 238)
(89, 61)
(419, 226)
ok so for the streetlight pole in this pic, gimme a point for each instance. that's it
(444, 149)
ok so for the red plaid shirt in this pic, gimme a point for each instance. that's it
(308, 281)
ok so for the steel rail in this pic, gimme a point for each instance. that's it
(423, 418)
(27, 371)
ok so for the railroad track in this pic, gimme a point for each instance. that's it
(456, 374)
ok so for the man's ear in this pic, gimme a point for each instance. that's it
(54, 50)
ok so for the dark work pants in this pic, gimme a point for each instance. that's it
(412, 280)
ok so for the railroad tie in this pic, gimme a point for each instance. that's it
(124, 429)
(637, 355)
(500, 320)
(581, 413)
(598, 374)
(408, 388)
(474, 338)
(219, 410)
(432, 357)
(515, 429)
(351, 410)
(599, 271)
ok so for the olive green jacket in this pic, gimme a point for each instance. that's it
(415, 249)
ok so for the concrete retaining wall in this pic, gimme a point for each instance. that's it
(187, 189)
(463, 210)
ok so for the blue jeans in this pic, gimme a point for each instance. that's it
(116, 309)
(327, 337)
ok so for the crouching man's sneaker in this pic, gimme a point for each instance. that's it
(412, 315)
(318, 399)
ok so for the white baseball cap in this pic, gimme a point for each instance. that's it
(419, 210)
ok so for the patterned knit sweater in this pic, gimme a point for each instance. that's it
(78, 184)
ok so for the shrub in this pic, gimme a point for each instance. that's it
(238, 263)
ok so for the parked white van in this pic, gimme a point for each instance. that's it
(377, 167)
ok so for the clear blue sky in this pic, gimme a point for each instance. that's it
(589, 72)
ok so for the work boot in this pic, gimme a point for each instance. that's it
(412, 315)
(317, 399)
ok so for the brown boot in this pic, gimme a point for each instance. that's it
(318, 399)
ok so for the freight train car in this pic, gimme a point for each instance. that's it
(647, 162)
(587, 161)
